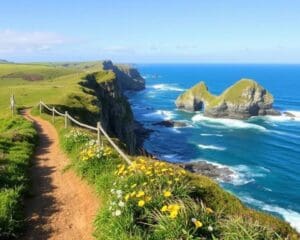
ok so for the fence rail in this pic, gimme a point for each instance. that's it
(100, 131)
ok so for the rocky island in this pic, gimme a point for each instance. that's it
(244, 99)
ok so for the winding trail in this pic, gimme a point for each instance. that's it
(62, 206)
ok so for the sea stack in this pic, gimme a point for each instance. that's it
(244, 99)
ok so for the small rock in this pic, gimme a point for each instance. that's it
(171, 123)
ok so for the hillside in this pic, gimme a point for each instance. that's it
(150, 199)
(84, 89)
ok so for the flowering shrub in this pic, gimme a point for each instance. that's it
(92, 151)
(156, 200)
(74, 138)
(157, 194)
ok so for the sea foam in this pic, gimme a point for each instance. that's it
(211, 147)
(211, 134)
(231, 123)
(161, 114)
(166, 87)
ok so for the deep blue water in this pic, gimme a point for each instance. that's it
(264, 153)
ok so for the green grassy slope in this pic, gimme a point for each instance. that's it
(17, 139)
(57, 83)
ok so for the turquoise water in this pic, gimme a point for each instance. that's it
(263, 153)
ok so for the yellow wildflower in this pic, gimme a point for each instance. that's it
(133, 185)
(209, 210)
(141, 203)
(173, 207)
(167, 193)
(173, 214)
(197, 223)
(140, 194)
(164, 208)
(127, 197)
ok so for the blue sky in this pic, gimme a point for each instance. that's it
(139, 31)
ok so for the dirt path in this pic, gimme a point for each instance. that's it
(62, 205)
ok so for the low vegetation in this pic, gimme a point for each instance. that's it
(17, 140)
(156, 200)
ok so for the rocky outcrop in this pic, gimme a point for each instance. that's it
(216, 172)
(171, 123)
(242, 100)
(128, 77)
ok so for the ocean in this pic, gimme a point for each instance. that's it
(262, 152)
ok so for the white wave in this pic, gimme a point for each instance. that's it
(251, 172)
(170, 157)
(166, 87)
(296, 113)
(267, 189)
(164, 114)
(240, 174)
(211, 134)
(212, 147)
(243, 174)
(282, 118)
(231, 123)
(288, 215)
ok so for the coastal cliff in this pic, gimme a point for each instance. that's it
(242, 100)
(115, 112)
(128, 78)
(101, 98)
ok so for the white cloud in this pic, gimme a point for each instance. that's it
(118, 50)
(16, 42)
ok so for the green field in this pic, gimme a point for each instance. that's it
(31, 83)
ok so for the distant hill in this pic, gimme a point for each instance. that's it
(4, 61)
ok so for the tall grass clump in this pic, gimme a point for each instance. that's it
(17, 141)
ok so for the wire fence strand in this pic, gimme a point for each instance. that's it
(101, 130)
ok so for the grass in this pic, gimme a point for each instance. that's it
(57, 83)
(156, 200)
(17, 141)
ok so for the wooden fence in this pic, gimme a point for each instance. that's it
(98, 129)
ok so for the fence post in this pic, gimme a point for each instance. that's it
(40, 107)
(66, 119)
(99, 140)
(53, 114)
(12, 104)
